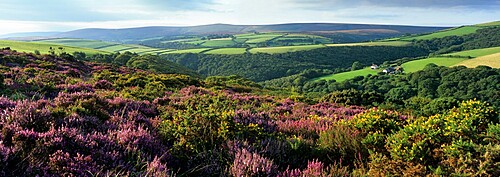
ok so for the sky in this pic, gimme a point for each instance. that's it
(65, 15)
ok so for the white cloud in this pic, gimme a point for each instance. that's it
(131, 13)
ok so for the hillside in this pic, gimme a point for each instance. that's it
(458, 31)
(61, 116)
(328, 28)
(44, 48)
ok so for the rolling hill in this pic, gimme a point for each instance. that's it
(128, 34)
(45, 47)
(487, 57)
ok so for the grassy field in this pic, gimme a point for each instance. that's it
(285, 49)
(382, 43)
(85, 43)
(418, 65)
(187, 51)
(460, 31)
(477, 52)
(227, 51)
(492, 60)
(339, 77)
(218, 43)
(44, 47)
(101, 45)
(157, 51)
(261, 38)
(496, 23)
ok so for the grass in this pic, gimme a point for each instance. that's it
(492, 60)
(258, 38)
(477, 52)
(44, 47)
(285, 49)
(117, 48)
(85, 43)
(495, 23)
(158, 51)
(200, 50)
(227, 51)
(339, 77)
(460, 31)
(382, 43)
(218, 43)
(418, 65)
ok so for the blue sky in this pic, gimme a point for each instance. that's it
(63, 15)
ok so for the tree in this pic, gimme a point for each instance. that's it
(356, 65)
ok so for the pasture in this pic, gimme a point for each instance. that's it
(381, 43)
(227, 51)
(200, 50)
(85, 43)
(492, 60)
(226, 42)
(44, 47)
(476, 52)
(460, 31)
(339, 77)
(285, 49)
(418, 65)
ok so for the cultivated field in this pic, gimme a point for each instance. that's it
(226, 42)
(85, 43)
(477, 52)
(418, 65)
(381, 43)
(227, 51)
(339, 77)
(492, 60)
(460, 31)
(44, 47)
(285, 49)
(187, 51)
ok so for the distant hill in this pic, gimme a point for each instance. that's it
(28, 35)
(128, 34)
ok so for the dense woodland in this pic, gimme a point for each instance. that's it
(261, 67)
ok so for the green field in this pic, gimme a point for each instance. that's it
(496, 23)
(460, 31)
(339, 77)
(477, 52)
(227, 51)
(258, 38)
(492, 60)
(418, 65)
(101, 45)
(219, 43)
(85, 43)
(44, 47)
(200, 50)
(382, 43)
(285, 49)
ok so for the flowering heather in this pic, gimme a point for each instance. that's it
(252, 164)
(62, 117)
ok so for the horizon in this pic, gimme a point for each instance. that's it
(61, 16)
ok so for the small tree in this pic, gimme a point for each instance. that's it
(356, 65)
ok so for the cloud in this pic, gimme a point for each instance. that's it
(180, 5)
(49, 10)
(336, 4)
(95, 10)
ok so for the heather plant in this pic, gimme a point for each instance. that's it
(252, 164)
